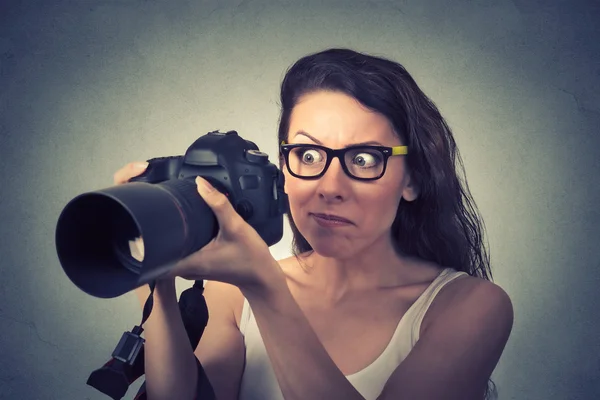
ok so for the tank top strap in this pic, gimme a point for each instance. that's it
(424, 301)
(246, 314)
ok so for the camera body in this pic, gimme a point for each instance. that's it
(237, 168)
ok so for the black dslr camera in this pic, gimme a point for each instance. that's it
(162, 209)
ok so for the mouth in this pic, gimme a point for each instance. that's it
(332, 218)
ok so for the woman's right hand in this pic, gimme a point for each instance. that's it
(129, 171)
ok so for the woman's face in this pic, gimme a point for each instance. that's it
(336, 120)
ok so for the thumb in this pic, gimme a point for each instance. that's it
(218, 202)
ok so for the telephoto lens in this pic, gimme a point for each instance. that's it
(113, 240)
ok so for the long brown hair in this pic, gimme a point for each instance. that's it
(443, 224)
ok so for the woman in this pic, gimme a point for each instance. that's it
(388, 294)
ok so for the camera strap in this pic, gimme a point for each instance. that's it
(194, 313)
(147, 307)
(127, 362)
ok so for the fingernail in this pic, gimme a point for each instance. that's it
(203, 185)
(141, 165)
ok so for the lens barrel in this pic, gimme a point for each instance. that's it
(94, 229)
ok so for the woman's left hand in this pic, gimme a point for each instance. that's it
(237, 255)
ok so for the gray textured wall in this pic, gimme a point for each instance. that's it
(87, 86)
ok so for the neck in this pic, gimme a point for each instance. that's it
(376, 266)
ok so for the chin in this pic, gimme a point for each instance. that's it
(332, 247)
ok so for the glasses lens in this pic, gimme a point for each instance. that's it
(365, 162)
(307, 161)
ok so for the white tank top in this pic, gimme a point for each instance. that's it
(259, 381)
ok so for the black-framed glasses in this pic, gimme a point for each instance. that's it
(364, 163)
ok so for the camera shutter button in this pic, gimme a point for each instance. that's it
(257, 157)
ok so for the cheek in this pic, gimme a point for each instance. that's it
(380, 205)
(298, 190)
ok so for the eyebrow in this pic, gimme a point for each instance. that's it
(317, 141)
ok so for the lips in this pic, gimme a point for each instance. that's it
(332, 217)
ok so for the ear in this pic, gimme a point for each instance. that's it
(281, 162)
(410, 191)
(282, 166)
(284, 171)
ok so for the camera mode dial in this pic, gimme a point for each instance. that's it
(257, 157)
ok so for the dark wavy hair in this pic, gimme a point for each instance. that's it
(442, 225)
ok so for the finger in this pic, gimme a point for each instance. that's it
(129, 171)
(226, 215)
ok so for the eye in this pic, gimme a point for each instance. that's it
(366, 160)
(310, 156)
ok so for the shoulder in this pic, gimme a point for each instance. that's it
(469, 323)
(473, 306)
(481, 296)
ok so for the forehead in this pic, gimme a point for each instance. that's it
(339, 120)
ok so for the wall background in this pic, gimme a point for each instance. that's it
(87, 86)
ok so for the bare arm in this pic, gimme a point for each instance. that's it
(301, 364)
(221, 349)
(457, 353)
(170, 367)
(453, 359)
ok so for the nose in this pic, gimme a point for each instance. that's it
(333, 185)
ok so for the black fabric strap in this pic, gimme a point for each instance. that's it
(194, 313)
(147, 309)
